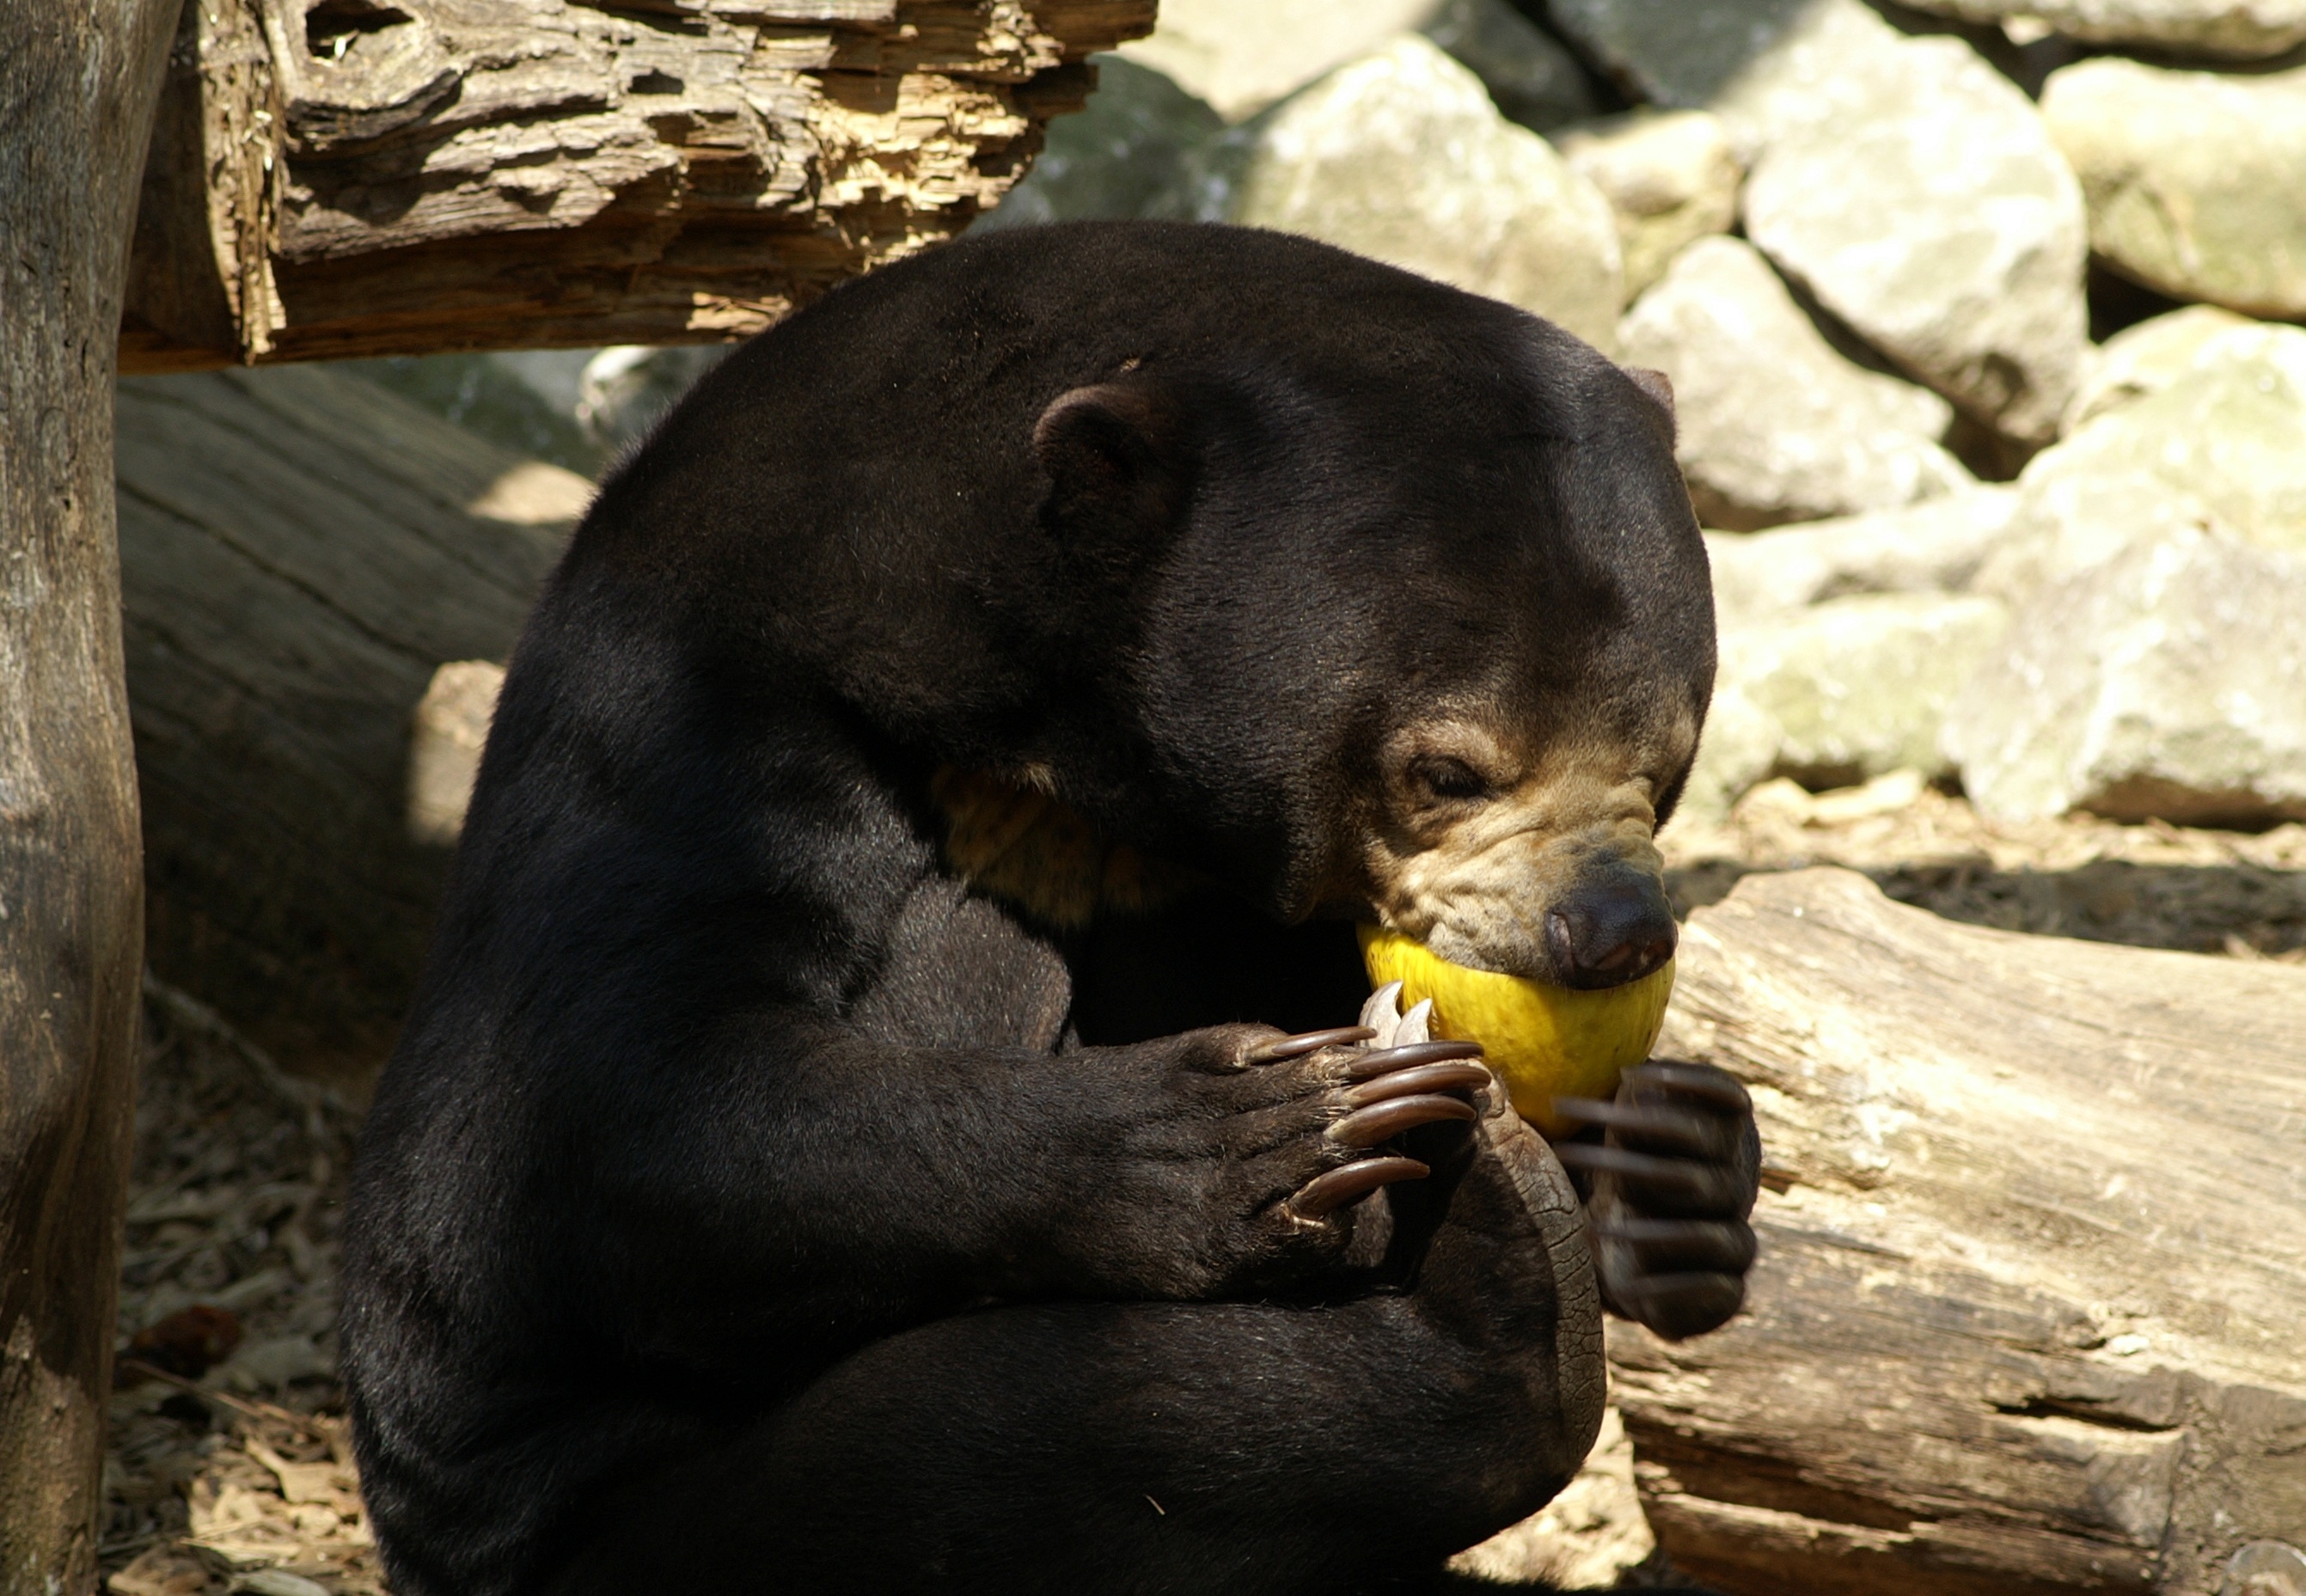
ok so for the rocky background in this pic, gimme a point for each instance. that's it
(1974, 311)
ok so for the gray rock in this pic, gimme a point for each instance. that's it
(2221, 447)
(2168, 683)
(1859, 687)
(1241, 58)
(1738, 748)
(1670, 176)
(1401, 156)
(2193, 179)
(1531, 75)
(1902, 181)
(1775, 425)
(1769, 68)
(2236, 27)
(2146, 359)
(1940, 224)
(1936, 546)
(1131, 153)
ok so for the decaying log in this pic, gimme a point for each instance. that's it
(301, 552)
(2031, 1309)
(78, 84)
(350, 177)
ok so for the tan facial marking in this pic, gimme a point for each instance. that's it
(1473, 877)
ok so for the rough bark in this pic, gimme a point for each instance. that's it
(77, 87)
(2034, 1260)
(343, 177)
(301, 551)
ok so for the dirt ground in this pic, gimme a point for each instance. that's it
(236, 1477)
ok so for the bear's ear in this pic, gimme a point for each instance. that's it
(1659, 389)
(1111, 444)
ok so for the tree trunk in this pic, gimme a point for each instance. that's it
(77, 87)
(2034, 1260)
(302, 551)
(343, 177)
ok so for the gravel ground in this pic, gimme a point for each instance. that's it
(232, 1474)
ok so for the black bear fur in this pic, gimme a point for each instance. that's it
(752, 1203)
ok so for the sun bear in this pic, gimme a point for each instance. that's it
(885, 1112)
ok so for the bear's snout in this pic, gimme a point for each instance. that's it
(1612, 926)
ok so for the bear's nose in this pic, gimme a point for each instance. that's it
(1611, 932)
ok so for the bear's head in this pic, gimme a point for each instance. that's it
(1398, 612)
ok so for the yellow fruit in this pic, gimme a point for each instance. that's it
(1544, 1041)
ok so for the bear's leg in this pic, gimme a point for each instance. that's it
(1318, 1447)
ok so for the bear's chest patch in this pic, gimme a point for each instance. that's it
(1012, 841)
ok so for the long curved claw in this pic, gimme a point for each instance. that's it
(1306, 1042)
(1370, 1126)
(1333, 1189)
(1450, 1076)
(1377, 1061)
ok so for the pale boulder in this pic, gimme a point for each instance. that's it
(1400, 156)
(1738, 749)
(1670, 177)
(2194, 180)
(1936, 546)
(1241, 57)
(1943, 226)
(2220, 447)
(2146, 359)
(2167, 683)
(1775, 425)
(1907, 184)
(2235, 28)
(1859, 687)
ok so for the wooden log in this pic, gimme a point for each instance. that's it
(77, 87)
(302, 551)
(354, 177)
(2027, 1314)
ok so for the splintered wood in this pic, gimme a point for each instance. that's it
(2033, 1259)
(332, 178)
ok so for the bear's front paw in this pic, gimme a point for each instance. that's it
(1395, 1080)
(1233, 1165)
(1673, 1182)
